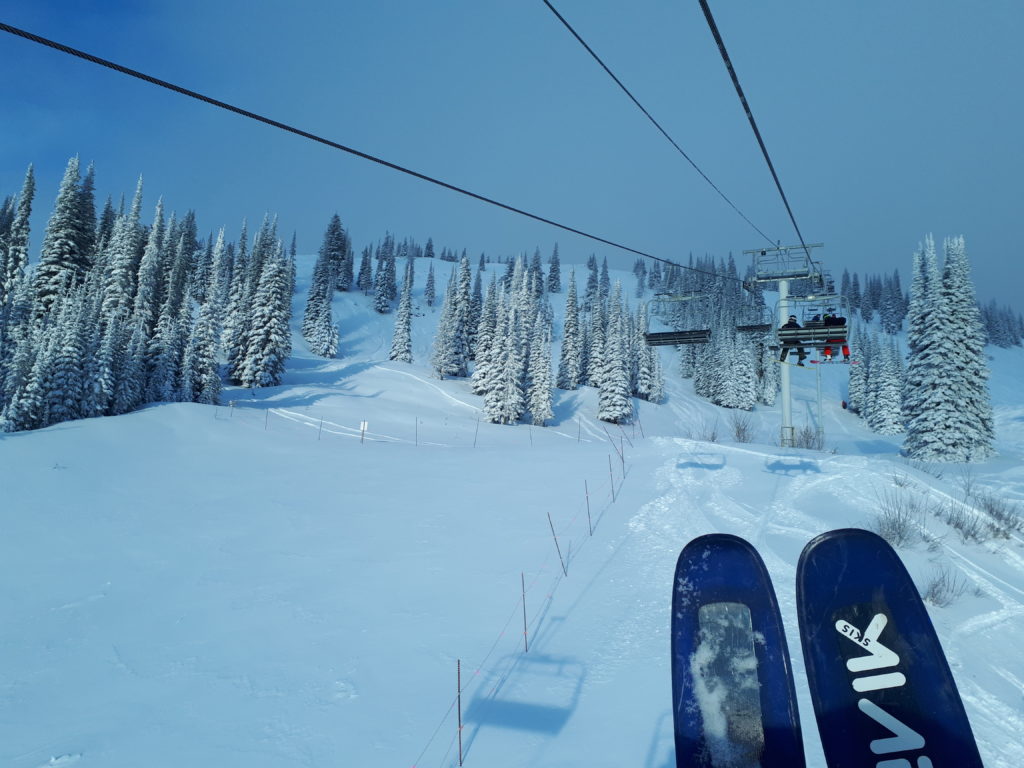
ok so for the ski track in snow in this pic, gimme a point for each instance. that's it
(446, 395)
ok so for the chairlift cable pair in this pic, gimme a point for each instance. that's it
(17, 32)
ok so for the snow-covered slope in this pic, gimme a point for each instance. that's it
(264, 585)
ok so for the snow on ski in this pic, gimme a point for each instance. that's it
(733, 699)
(882, 690)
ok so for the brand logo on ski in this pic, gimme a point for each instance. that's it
(881, 657)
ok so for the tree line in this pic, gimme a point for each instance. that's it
(118, 313)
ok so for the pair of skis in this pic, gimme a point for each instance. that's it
(882, 690)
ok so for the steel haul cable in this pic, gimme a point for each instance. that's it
(750, 116)
(656, 124)
(321, 140)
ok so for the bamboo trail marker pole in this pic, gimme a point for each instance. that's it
(458, 668)
(557, 548)
(320, 430)
(363, 426)
(611, 477)
(525, 641)
(586, 492)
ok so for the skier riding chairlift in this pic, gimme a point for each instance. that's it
(794, 344)
(835, 320)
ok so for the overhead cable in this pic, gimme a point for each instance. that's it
(750, 116)
(656, 124)
(321, 140)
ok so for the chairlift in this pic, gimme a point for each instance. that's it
(814, 333)
(661, 304)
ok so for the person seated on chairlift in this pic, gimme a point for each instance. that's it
(835, 320)
(792, 344)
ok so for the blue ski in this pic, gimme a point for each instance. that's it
(732, 688)
(882, 690)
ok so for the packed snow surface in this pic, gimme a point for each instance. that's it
(267, 583)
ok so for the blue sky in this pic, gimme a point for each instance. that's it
(885, 121)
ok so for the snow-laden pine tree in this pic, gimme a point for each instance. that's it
(476, 307)
(539, 375)
(235, 329)
(63, 262)
(401, 342)
(554, 272)
(202, 373)
(384, 278)
(122, 271)
(570, 359)
(650, 381)
(334, 249)
(654, 277)
(640, 270)
(769, 372)
(429, 294)
(269, 340)
(613, 397)
(536, 271)
(150, 286)
(885, 389)
(130, 383)
(464, 322)
(505, 399)
(14, 247)
(364, 280)
(64, 381)
(486, 340)
(596, 335)
(28, 384)
(947, 409)
(738, 388)
(445, 360)
(860, 361)
(318, 327)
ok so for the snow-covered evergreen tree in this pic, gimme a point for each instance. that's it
(202, 374)
(486, 342)
(318, 327)
(570, 363)
(947, 409)
(335, 250)
(613, 398)
(885, 389)
(401, 342)
(14, 245)
(384, 279)
(554, 272)
(365, 280)
(539, 375)
(62, 260)
(429, 294)
(235, 330)
(505, 398)
(122, 276)
(269, 340)
(445, 359)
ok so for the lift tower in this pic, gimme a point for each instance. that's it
(782, 264)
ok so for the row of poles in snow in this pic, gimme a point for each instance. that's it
(564, 559)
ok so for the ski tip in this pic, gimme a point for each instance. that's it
(842, 544)
(714, 541)
(846, 534)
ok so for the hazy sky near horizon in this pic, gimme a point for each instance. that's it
(886, 121)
